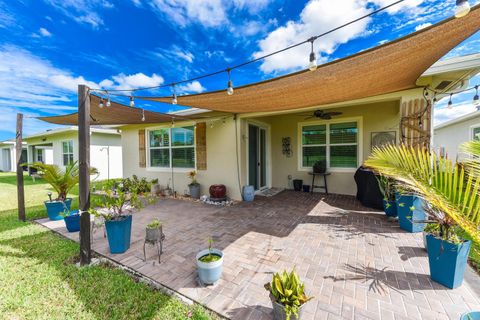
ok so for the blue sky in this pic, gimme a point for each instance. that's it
(47, 47)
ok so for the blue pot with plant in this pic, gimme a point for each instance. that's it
(118, 233)
(447, 260)
(72, 221)
(411, 215)
(387, 189)
(62, 181)
(474, 315)
(209, 264)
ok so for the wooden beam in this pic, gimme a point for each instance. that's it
(84, 172)
(18, 158)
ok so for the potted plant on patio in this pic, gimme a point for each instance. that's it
(287, 294)
(62, 181)
(72, 220)
(155, 188)
(194, 186)
(410, 211)
(387, 188)
(452, 193)
(117, 209)
(209, 264)
(153, 230)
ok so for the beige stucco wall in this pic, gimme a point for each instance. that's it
(452, 136)
(376, 117)
(221, 159)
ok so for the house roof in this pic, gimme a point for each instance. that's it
(70, 129)
(388, 68)
(469, 116)
(391, 67)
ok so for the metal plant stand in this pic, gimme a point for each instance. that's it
(157, 243)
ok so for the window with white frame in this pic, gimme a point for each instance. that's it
(476, 133)
(172, 147)
(67, 150)
(335, 143)
(40, 155)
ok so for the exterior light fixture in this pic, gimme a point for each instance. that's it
(132, 102)
(230, 84)
(450, 103)
(312, 66)
(143, 115)
(476, 99)
(100, 105)
(462, 8)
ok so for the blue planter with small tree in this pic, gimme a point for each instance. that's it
(411, 215)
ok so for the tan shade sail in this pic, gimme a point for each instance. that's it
(391, 67)
(115, 114)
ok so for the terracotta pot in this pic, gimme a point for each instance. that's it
(218, 191)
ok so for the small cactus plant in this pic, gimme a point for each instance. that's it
(287, 289)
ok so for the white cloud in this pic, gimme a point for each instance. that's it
(185, 55)
(445, 114)
(192, 87)
(253, 6)
(123, 81)
(423, 26)
(402, 6)
(209, 13)
(44, 32)
(82, 11)
(332, 15)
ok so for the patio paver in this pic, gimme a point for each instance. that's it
(354, 262)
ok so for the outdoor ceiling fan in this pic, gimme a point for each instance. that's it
(321, 115)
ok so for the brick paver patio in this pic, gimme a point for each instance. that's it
(354, 262)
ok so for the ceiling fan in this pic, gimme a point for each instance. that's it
(321, 115)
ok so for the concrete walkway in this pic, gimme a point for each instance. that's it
(354, 262)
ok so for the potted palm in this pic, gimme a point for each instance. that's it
(194, 186)
(209, 264)
(288, 296)
(62, 181)
(451, 191)
(118, 207)
(387, 188)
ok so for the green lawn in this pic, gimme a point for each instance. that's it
(39, 281)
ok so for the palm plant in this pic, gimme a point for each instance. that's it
(61, 180)
(451, 190)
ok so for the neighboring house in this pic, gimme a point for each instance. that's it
(8, 156)
(276, 147)
(60, 147)
(451, 134)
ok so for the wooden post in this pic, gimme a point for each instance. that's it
(84, 172)
(18, 158)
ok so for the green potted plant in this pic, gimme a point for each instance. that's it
(194, 186)
(451, 192)
(117, 209)
(388, 190)
(288, 295)
(155, 187)
(209, 264)
(153, 230)
(62, 181)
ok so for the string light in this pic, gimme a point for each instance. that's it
(476, 100)
(100, 105)
(230, 84)
(108, 100)
(143, 115)
(174, 96)
(312, 66)
(132, 102)
(462, 8)
(450, 103)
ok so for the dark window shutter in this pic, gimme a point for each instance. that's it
(142, 155)
(201, 145)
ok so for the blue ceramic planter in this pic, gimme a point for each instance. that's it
(72, 221)
(447, 261)
(475, 315)
(56, 208)
(248, 193)
(210, 272)
(410, 210)
(118, 234)
(390, 208)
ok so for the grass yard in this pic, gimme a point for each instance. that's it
(39, 281)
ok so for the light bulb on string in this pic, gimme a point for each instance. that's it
(143, 115)
(229, 84)
(174, 96)
(450, 103)
(100, 105)
(312, 66)
(212, 125)
(132, 102)
(108, 104)
(462, 8)
(476, 99)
